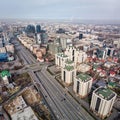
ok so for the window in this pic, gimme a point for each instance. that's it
(73, 58)
(72, 76)
(109, 51)
(64, 76)
(97, 104)
(73, 53)
(78, 84)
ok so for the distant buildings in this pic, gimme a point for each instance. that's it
(38, 28)
(60, 31)
(82, 85)
(44, 38)
(7, 48)
(54, 48)
(102, 101)
(3, 57)
(117, 43)
(38, 39)
(33, 47)
(101, 54)
(63, 42)
(80, 36)
(30, 29)
(109, 51)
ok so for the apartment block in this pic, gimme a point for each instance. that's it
(82, 84)
(68, 72)
(60, 59)
(102, 101)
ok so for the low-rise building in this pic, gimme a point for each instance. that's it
(2, 50)
(26, 114)
(15, 105)
(10, 48)
(102, 101)
(82, 84)
(83, 68)
(109, 64)
(31, 96)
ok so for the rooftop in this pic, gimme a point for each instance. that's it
(26, 114)
(95, 66)
(84, 77)
(105, 93)
(3, 55)
(62, 55)
(5, 73)
(69, 68)
(69, 61)
(111, 84)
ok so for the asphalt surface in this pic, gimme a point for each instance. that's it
(62, 104)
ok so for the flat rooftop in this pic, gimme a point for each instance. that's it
(69, 62)
(69, 68)
(105, 93)
(25, 114)
(83, 77)
(62, 55)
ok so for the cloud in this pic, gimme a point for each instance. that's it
(85, 9)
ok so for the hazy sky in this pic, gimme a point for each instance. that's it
(61, 9)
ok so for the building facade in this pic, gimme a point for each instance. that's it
(70, 52)
(82, 85)
(60, 59)
(80, 56)
(102, 101)
(68, 72)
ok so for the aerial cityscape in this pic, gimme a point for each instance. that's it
(60, 60)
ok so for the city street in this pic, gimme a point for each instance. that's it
(62, 104)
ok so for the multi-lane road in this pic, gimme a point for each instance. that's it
(62, 104)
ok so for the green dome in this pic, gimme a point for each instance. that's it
(5, 73)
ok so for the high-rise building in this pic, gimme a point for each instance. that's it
(82, 84)
(101, 54)
(63, 43)
(75, 55)
(110, 51)
(30, 29)
(44, 38)
(102, 101)
(80, 56)
(70, 52)
(38, 38)
(60, 59)
(38, 28)
(54, 48)
(68, 72)
(80, 36)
